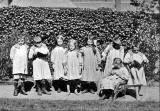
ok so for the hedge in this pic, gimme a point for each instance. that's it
(105, 24)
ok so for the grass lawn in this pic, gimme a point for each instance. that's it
(60, 105)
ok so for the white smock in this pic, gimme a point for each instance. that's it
(41, 68)
(138, 74)
(18, 55)
(57, 57)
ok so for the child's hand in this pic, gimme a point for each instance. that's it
(97, 67)
(65, 72)
(53, 66)
(35, 52)
(80, 72)
(156, 71)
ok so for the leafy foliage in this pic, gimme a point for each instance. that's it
(146, 5)
(132, 27)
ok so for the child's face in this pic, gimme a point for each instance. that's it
(89, 42)
(72, 46)
(59, 41)
(21, 41)
(135, 50)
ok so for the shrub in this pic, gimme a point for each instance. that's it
(105, 24)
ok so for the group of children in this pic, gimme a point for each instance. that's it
(78, 68)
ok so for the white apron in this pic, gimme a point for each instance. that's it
(138, 74)
(18, 54)
(41, 68)
(57, 57)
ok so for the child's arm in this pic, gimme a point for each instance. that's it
(122, 53)
(98, 56)
(12, 52)
(80, 57)
(123, 73)
(53, 58)
(127, 58)
(65, 63)
(145, 59)
(105, 52)
(31, 52)
(43, 52)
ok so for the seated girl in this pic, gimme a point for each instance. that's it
(118, 74)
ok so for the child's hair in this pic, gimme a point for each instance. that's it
(22, 36)
(75, 43)
(117, 61)
(93, 46)
(60, 36)
(57, 37)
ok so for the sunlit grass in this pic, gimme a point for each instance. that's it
(30, 105)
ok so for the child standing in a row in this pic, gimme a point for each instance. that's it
(41, 71)
(18, 55)
(57, 57)
(73, 64)
(92, 60)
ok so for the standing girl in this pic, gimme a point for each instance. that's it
(135, 61)
(112, 51)
(41, 71)
(57, 57)
(74, 64)
(18, 55)
(92, 60)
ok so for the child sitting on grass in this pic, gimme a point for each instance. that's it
(119, 74)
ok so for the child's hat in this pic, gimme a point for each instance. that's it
(117, 41)
(60, 36)
(37, 39)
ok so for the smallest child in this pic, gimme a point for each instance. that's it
(73, 66)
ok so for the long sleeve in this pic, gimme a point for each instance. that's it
(105, 52)
(82, 51)
(127, 58)
(98, 56)
(27, 47)
(81, 64)
(80, 57)
(65, 59)
(122, 53)
(145, 59)
(53, 56)
(31, 52)
(122, 73)
(44, 50)
(125, 74)
(12, 52)
(65, 62)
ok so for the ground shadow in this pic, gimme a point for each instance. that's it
(28, 85)
(130, 92)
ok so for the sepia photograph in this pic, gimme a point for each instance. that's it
(79, 55)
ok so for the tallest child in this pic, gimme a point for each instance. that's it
(92, 60)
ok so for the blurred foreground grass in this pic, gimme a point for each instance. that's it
(61, 105)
